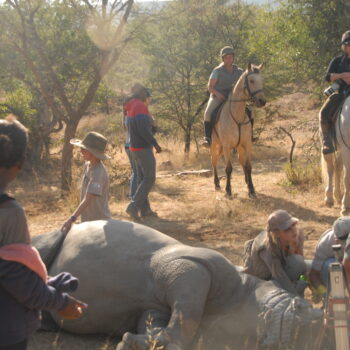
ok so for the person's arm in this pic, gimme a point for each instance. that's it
(77, 212)
(333, 73)
(213, 79)
(315, 278)
(144, 126)
(277, 272)
(30, 290)
(345, 76)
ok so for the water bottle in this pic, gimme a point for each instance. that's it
(331, 89)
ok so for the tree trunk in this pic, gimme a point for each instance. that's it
(187, 141)
(67, 152)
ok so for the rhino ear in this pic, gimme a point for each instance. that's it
(249, 67)
(261, 66)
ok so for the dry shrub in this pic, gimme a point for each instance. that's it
(303, 174)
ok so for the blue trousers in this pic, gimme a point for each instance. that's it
(146, 174)
(133, 177)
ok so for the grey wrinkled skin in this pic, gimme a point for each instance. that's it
(145, 286)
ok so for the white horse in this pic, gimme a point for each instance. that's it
(336, 162)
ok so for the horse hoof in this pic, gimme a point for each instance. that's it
(217, 188)
(253, 195)
(228, 195)
(329, 204)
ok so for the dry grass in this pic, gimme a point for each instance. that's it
(189, 208)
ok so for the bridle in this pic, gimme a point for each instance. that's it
(251, 98)
(246, 86)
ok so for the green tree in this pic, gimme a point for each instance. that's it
(64, 50)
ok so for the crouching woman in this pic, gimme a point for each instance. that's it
(277, 253)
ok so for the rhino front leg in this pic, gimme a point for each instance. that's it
(150, 330)
(186, 284)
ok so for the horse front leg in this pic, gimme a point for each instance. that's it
(248, 179)
(215, 152)
(346, 198)
(228, 170)
(328, 159)
(338, 172)
(244, 160)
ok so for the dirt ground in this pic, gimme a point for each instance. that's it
(189, 208)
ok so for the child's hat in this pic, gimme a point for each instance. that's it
(94, 143)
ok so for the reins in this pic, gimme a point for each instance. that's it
(251, 96)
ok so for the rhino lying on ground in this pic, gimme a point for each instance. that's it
(146, 286)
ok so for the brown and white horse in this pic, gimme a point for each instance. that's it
(234, 130)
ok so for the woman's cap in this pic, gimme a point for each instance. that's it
(280, 220)
(94, 143)
(345, 39)
(341, 227)
(227, 50)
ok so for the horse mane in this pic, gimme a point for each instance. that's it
(254, 69)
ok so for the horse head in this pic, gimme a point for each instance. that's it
(253, 84)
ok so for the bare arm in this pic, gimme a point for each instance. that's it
(344, 76)
(212, 90)
(315, 278)
(81, 207)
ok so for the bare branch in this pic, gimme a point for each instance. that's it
(293, 144)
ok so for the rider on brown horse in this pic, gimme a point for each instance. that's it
(221, 80)
(338, 73)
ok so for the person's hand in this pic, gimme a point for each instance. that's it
(220, 96)
(158, 149)
(73, 310)
(318, 293)
(346, 77)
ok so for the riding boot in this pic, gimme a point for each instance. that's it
(207, 131)
(327, 140)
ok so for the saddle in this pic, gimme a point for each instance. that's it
(215, 115)
(337, 111)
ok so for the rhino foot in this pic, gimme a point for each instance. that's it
(143, 342)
